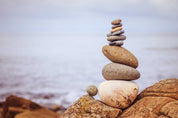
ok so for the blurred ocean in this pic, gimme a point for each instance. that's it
(57, 68)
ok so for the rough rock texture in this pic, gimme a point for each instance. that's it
(120, 55)
(115, 71)
(170, 109)
(87, 107)
(156, 101)
(164, 88)
(118, 93)
(15, 105)
(147, 107)
(162, 116)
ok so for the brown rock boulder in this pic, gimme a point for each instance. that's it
(170, 109)
(87, 107)
(39, 113)
(164, 88)
(120, 55)
(147, 107)
(15, 105)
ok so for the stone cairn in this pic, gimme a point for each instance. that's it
(118, 90)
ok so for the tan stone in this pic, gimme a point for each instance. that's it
(116, 29)
(147, 107)
(170, 109)
(120, 55)
(87, 107)
(164, 88)
(115, 71)
(116, 22)
(118, 93)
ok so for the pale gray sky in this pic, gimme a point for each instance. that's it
(158, 16)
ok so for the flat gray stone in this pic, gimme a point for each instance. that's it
(116, 33)
(116, 43)
(115, 26)
(114, 38)
(116, 71)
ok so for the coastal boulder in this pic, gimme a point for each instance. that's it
(39, 113)
(120, 55)
(118, 93)
(170, 109)
(115, 71)
(16, 105)
(164, 88)
(87, 107)
(147, 107)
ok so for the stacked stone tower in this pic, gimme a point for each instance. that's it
(118, 90)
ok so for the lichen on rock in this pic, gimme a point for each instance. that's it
(87, 107)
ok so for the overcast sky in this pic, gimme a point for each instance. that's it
(160, 16)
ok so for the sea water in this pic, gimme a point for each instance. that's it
(57, 68)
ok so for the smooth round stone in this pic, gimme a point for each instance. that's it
(115, 71)
(114, 38)
(115, 26)
(120, 55)
(116, 22)
(116, 43)
(118, 93)
(116, 33)
(92, 90)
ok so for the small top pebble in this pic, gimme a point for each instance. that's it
(116, 22)
(92, 90)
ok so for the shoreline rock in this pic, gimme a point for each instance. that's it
(148, 107)
(17, 107)
(151, 105)
(164, 88)
(87, 107)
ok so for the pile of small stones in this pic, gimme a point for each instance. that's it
(115, 36)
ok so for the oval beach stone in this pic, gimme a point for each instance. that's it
(116, 22)
(118, 93)
(92, 90)
(116, 43)
(120, 55)
(115, 26)
(114, 38)
(116, 33)
(115, 71)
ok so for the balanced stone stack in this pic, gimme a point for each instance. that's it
(118, 90)
(116, 38)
